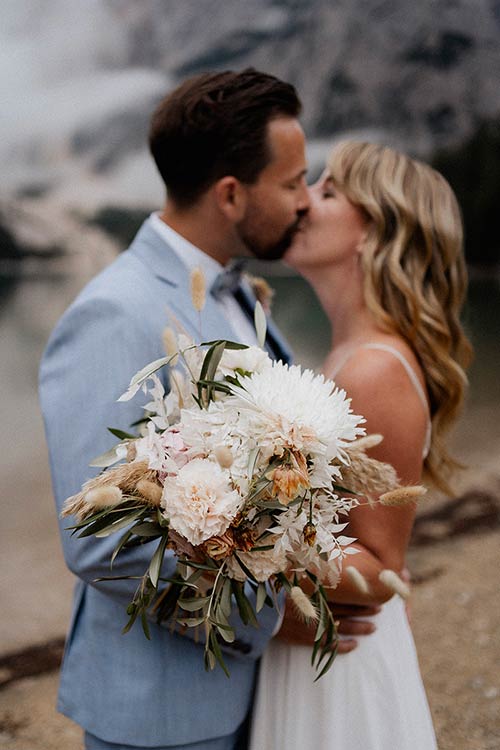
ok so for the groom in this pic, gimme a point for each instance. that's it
(230, 150)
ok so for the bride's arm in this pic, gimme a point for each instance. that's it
(382, 392)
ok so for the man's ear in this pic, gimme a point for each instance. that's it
(231, 197)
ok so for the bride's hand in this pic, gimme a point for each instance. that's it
(295, 631)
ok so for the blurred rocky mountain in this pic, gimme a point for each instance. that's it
(427, 71)
(80, 79)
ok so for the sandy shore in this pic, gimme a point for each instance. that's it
(455, 619)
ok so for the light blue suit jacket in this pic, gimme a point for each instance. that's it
(124, 688)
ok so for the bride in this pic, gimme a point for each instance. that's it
(383, 251)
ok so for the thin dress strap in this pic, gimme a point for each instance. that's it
(411, 374)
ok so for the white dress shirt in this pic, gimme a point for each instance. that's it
(191, 256)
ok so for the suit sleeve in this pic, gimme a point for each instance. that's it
(88, 364)
(91, 356)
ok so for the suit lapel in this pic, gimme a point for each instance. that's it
(164, 263)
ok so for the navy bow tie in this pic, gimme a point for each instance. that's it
(229, 279)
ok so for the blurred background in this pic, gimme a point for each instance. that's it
(78, 82)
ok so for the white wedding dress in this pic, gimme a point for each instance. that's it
(371, 699)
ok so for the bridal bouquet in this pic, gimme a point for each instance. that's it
(247, 469)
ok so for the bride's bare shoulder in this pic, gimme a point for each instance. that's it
(378, 381)
(381, 390)
(375, 363)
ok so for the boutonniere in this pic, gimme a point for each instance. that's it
(263, 292)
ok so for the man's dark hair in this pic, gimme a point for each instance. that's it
(215, 124)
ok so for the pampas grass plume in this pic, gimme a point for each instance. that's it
(303, 605)
(150, 491)
(103, 497)
(367, 442)
(392, 581)
(402, 495)
(198, 287)
(357, 579)
(170, 345)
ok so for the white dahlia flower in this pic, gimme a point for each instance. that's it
(199, 501)
(285, 407)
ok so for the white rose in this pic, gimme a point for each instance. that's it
(199, 501)
(252, 359)
(261, 564)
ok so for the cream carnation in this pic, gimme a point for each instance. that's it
(199, 501)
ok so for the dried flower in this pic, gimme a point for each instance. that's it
(220, 547)
(244, 538)
(224, 456)
(392, 581)
(103, 497)
(170, 345)
(131, 452)
(357, 579)
(402, 495)
(289, 480)
(198, 288)
(150, 491)
(303, 605)
(309, 533)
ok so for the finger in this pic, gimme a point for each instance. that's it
(354, 610)
(345, 646)
(355, 627)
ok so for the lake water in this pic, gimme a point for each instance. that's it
(30, 307)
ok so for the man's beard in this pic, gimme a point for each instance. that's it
(264, 250)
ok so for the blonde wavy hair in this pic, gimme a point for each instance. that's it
(414, 272)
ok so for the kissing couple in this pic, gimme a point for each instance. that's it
(379, 238)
